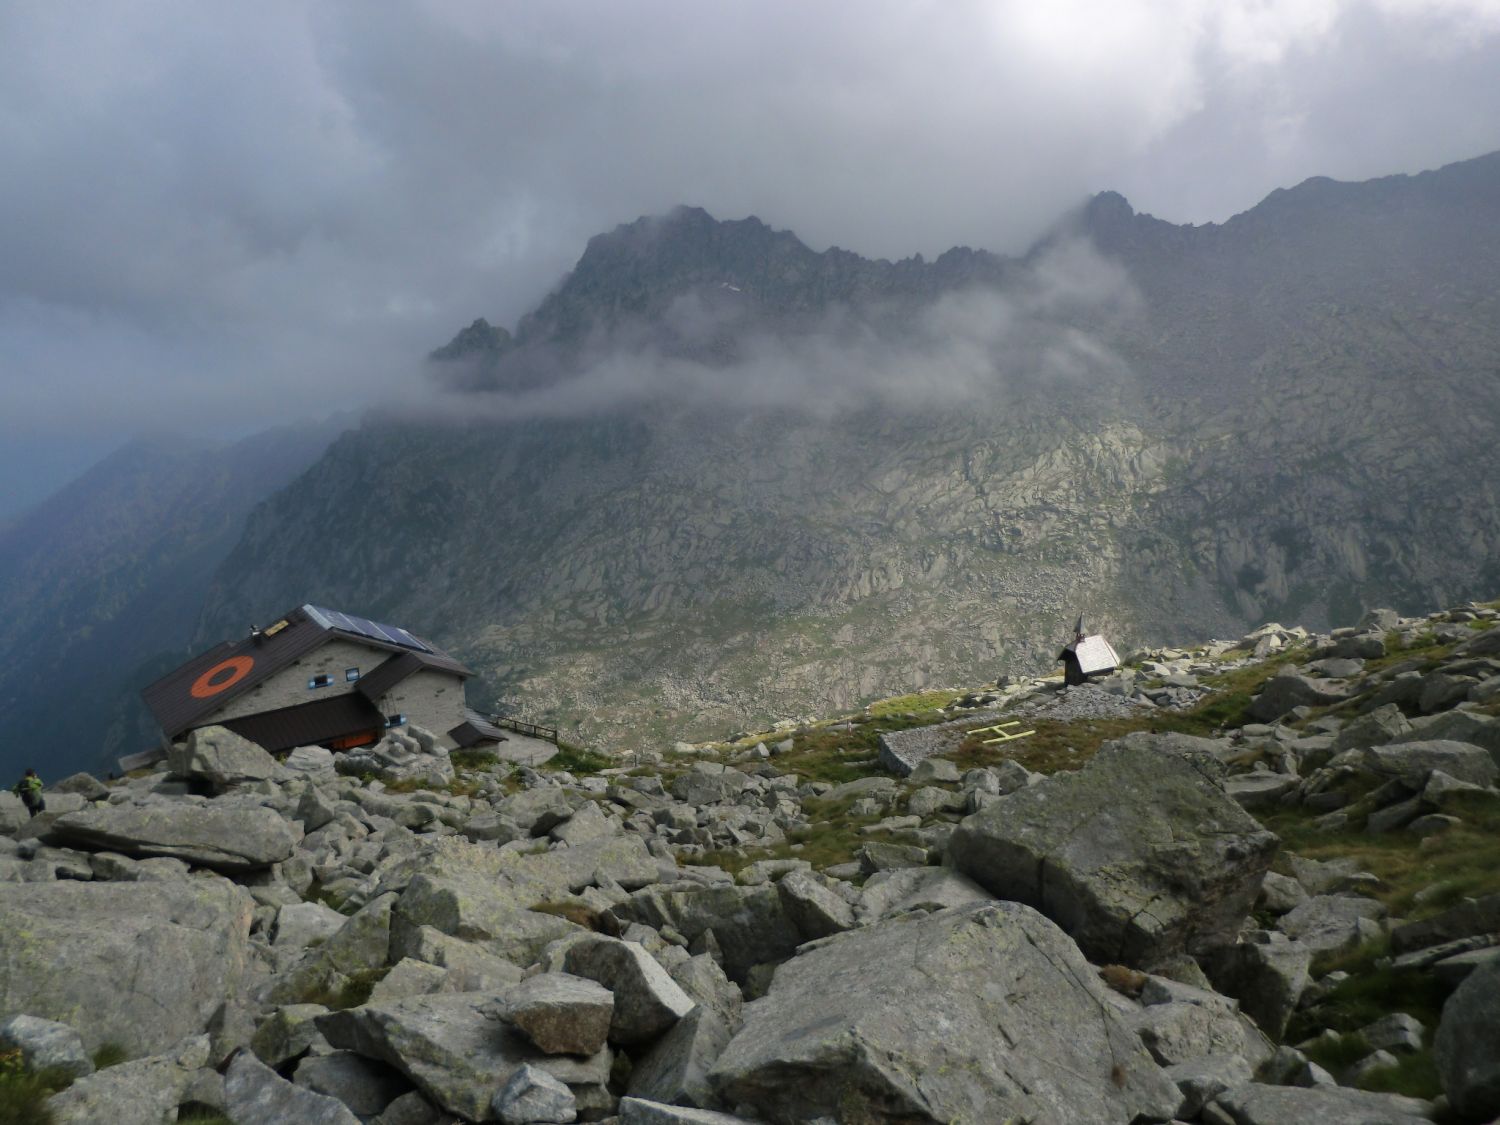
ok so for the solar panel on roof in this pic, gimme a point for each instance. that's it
(364, 627)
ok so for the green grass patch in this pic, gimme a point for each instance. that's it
(1463, 862)
(24, 1093)
(917, 702)
(578, 760)
(1415, 1075)
(202, 1115)
(471, 760)
(109, 1054)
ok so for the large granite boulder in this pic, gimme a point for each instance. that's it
(1138, 856)
(140, 1092)
(1467, 1045)
(226, 839)
(646, 1000)
(1412, 762)
(1256, 1104)
(979, 1013)
(141, 965)
(456, 1048)
(749, 924)
(222, 758)
(1287, 690)
(254, 1094)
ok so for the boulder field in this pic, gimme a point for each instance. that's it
(787, 933)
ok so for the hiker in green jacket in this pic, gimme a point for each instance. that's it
(29, 789)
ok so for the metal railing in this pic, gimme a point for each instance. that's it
(532, 729)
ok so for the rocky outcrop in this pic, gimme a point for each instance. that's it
(141, 965)
(1138, 856)
(985, 1012)
(226, 839)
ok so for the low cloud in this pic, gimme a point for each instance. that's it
(1053, 325)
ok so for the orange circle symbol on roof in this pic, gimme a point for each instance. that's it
(222, 676)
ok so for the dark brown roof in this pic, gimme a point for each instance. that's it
(473, 731)
(185, 696)
(394, 669)
(309, 723)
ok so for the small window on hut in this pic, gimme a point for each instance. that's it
(350, 675)
(318, 681)
(395, 720)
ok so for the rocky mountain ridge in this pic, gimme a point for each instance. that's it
(817, 479)
(1248, 883)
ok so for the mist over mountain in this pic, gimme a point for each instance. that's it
(101, 586)
(717, 477)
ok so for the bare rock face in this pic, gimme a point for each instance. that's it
(646, 1000)
(560, 1013)
(1468, 1044)
(455, 1047)
(140, 964)
(221, 758)
(1138, 856)
(227, 839)
(985, 1012)
(256, 1095)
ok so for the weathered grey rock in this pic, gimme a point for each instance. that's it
(561, 1013)
(917, 888)
(813, 908)
(1321, 876)
(1280, 893)
(455, 1047)
(708, 783)
(1181, 1032)
(46, 1045)
(1259, 790)
(1458, 725)
(227, 839)
(1287, 690)
(397, 758)
(86, 785)
(306, 923)
(879, 856)
(410, 977)
(538, 811)
(140, 964)
(1258, 1104)
(1466, 919)
(1329, 922)
(222, 758)
(935, 770)
(361, 943)
(1139, 855)
(1201, 1080)
(288, 1031)
(1375, 728)
(256, 1095)
(1267, 976)
(995, 1015)
(534, 1097)
(1467, 1045)
(142, 1092)
(926, 802)
(363, 1085)
(311, 761)
(470, 967)
(1397, 1031)
(646, 1000)
(676, 1067)
(1413, 761)
(588, 823)
(636, 1111)
(748, 923)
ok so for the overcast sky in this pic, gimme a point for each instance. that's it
(217, 217)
